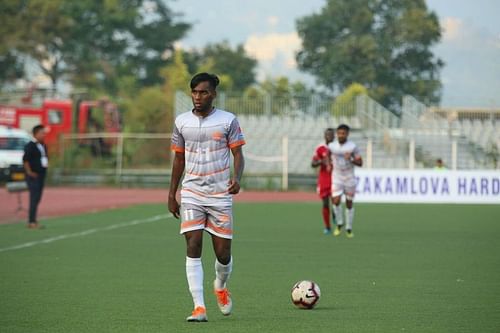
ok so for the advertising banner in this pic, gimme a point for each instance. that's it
(427, 186)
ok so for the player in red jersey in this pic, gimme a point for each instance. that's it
(322, 160)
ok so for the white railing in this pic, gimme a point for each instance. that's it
(129, 157)
(114, 153)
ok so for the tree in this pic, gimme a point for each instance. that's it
(384, 45)
(224, 61)
(225, 81)
(344, 103)
(272, 96)
(92, 42)
(33, 28)
(151, 109)
(147, 111)
(176, 77)
(11, 67)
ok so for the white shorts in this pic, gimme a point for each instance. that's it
(346, 186)
(216, 220)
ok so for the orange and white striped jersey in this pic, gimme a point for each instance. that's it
(206, 143)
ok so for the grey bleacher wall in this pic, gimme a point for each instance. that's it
(377, 131)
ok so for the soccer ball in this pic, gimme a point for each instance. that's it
(305, 294)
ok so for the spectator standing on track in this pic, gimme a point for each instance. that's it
(36, 162)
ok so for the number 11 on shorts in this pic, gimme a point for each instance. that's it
(188, 215)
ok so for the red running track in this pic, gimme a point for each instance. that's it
(60, 201)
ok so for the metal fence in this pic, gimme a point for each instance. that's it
(473, 133)
(282, 134)
(261, 104)
(464, 138)
(113, 157)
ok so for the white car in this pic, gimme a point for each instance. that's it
(12, 142)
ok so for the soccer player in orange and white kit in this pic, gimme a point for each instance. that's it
(322, 160)
(203, 140)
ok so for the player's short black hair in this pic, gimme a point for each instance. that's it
(343, 127)
(37, 129)
(212, 79)
(329, 129)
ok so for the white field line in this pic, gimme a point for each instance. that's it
(86, 232)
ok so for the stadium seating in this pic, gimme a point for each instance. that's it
(475, 132)
(434, 134)
(264, 140)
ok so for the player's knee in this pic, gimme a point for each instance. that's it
(224, 259)
(194, 245)
(223, 253)
(194, 250)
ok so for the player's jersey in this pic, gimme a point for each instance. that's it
(206, 143)
(342, 168)
(325, 171)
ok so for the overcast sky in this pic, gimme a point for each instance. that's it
(470, 46)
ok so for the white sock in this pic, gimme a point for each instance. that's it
(222, 273)
(338, 214)
(350, 218)
(194, 273)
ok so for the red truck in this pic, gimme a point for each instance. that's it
(60, 117)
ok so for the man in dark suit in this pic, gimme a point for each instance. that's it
(35, 162)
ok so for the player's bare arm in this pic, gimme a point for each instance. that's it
(323, 161)
(177, 171)
(239, 165)
(354, 159)
(357, 160)
(315, 163)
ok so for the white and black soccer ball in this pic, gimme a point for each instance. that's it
(305, 294)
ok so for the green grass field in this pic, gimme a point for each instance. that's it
(410, 268)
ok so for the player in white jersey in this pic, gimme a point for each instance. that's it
(345, 155)
(202, 140)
